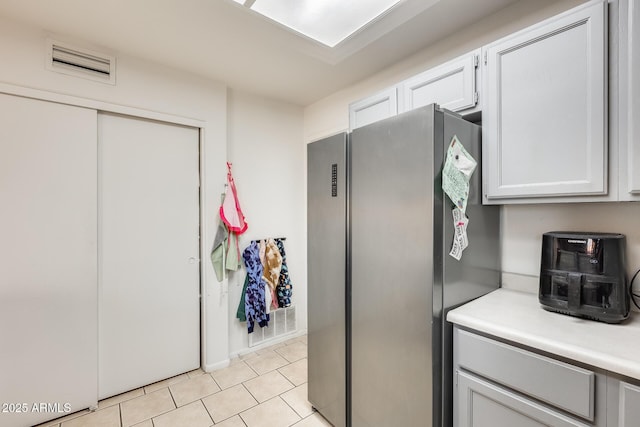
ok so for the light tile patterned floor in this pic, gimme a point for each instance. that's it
(267, 388)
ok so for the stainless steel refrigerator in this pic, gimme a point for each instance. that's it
(380, 278)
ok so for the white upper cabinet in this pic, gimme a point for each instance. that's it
(451, 85)
(545, 110)
(629, 98)
(380, 106)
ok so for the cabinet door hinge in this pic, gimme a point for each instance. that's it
(456, 382)
(476, 97)
(476, 60)
(485, 58)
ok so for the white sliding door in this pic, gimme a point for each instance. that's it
(48, 262)
(149, 281)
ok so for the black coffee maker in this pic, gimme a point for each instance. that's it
(584, 274)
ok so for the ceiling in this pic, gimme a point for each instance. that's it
(222, 40)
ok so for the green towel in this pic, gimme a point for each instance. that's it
(233, 256)
(240, 313)
(219, 249)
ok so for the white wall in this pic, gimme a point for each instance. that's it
(145, 86)
(522, 226)
(269, 170)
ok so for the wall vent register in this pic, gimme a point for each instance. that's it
(78, 62)
(283, 322)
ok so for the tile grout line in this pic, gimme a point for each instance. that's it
(292, 408)
(256, 372)
(174, 404)
(216, 383)
(242, 419)
(251, 394)
(207, 409)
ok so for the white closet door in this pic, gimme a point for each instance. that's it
(149, 282)
(48, 263)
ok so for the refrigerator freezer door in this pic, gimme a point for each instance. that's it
(392, 231)
(478, 271)
(326, 252)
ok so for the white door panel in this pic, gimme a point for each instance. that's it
(545, 109)
(380, 106)
(48, 263)
(149, 250)
(451, 85)
(629, 93)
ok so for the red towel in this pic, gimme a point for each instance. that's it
(230, 211)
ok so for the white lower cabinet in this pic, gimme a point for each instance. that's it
(497, 384)
(545, 109)
(484, 404)
(629, 405)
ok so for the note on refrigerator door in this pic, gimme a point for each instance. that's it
(460, 239)
(456, 173)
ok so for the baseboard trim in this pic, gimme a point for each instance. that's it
(215, 366)
(266, 344)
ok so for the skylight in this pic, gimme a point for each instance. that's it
(326, 21)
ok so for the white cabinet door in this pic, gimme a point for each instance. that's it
(480, 403)
(629, 100)
(149, 282)
(451, 85)
(545, 104)
(48, 263)
(629, 405)
(380, 106)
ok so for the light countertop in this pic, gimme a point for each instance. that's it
(517, 317)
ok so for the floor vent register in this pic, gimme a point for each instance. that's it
(283, 322)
